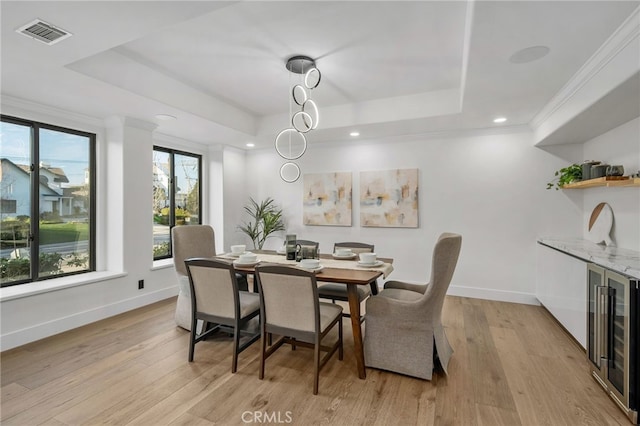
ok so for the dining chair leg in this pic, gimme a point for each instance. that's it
(293, 344)
(316, 370)
(236, 345)
(340, 347)
(263, 350)
(192, 342)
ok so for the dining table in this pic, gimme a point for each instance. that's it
(334, 270)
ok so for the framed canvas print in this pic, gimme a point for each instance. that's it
(327, 199)
(389, 198)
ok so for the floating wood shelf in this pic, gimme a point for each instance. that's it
(604, 181)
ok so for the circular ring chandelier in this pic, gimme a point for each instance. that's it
(291, 142)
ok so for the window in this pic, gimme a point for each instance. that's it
(8, 206)
(47, 188)
(176, 195)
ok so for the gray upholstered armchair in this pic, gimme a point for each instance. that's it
(404, 330)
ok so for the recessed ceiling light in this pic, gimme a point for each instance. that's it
(354, 134)
(251, 145)
(529, 54)
(165, 117)
(499, 120)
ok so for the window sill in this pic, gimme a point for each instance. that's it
(30, 289)
(162, 264)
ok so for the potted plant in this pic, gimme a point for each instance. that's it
(267, 219)
(566, 175)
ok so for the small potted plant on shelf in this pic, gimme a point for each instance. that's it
(267, 219)
(566, 175)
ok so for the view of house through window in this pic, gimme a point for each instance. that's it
(47, 201)
(176, 195)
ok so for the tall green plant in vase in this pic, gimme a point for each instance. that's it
(267, 219)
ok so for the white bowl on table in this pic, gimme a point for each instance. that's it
(368, 258)
(238, 249)
(248, 258)
(310, 263)
(343, 252)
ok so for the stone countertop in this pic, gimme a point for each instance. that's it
(618, 259)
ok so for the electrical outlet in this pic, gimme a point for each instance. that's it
(140, 284)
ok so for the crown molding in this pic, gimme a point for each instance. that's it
(628, 31)
(29, 107)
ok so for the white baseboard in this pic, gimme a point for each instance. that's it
(59, 325)
(492, 294)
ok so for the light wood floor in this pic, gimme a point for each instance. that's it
(513, 365)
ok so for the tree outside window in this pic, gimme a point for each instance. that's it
(176, 195)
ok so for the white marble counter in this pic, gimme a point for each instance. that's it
(620, 260)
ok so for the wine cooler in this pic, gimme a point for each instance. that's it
(612, 339)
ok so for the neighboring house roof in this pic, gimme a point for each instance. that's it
(60, 176)
(23, 167)
(27, 170)
(57, 172)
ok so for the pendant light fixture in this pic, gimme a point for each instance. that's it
(291, 143)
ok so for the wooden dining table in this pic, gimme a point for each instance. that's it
(352, 278)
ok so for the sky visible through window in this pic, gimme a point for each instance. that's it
(66, 151)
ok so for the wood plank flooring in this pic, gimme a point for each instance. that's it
(512, 365)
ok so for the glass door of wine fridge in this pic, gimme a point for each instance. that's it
(612, 341)
(618, 338)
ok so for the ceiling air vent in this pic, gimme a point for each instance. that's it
(44, 32)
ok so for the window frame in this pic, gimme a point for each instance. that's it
(34, 183)
(172, 196)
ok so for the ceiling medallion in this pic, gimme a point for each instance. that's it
(291, 142)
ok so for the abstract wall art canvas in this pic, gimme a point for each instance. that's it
(389, 198)
(327, 199)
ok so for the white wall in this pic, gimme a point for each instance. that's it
(236, 174)
(490, 188)
(618, 146)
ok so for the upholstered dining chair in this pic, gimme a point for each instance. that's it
(335, 291)
(404, 330)
(217, 300)
(290, 308)
(191, 241)
(306, 244)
